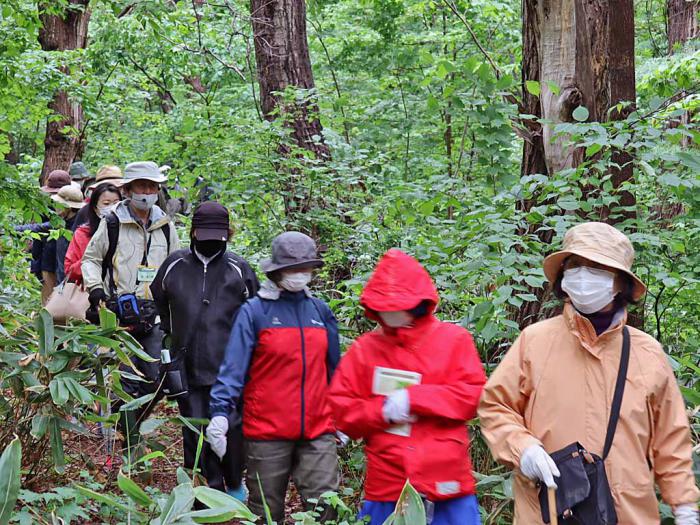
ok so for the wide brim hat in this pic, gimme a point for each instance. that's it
(600, 243)
(69, 196)
(56, 180)
(292, 250)
(78, 172)
(118, 182)
(143, 171)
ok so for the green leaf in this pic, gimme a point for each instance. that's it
(132, 490)
(108, 500)
(44, 326)
(10, 472)
(670, 179)
(533, 87)
(554, 88)
(78, 391)
(409, 508)
(178, 503)
(56, 440)
(580, 114)
(226, 507)
(138, 402)
(59, 391)
(108, 319)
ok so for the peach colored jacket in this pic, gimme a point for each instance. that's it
(555, 386)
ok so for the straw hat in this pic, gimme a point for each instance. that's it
(108, 174)
(600, 243)
(69, 196)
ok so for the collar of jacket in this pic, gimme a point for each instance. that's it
(584, 331)
(198, 257)
(157, 217)
(272, 292)
(411, 336)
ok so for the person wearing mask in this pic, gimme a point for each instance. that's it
(198, 292)
(408, 389)
(69, 200)
(80, 175)
(120, 262)
(558, 385)
(279, 359)
(44, 259)
(102, 200)
(106, 174)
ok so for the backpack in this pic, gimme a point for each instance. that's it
(113, 238)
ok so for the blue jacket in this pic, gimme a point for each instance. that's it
(280, 357)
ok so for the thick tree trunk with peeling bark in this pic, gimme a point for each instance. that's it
(282, 58)
(59, 33)
(682, 22)
(586, 49)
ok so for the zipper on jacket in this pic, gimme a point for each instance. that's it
(303, 369)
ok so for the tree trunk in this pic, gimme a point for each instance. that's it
(586, 50)
(59, 33)
(682, 22)
(282, 58)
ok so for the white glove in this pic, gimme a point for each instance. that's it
(686, 514)
(216, 435)
(341, 438)
(397, 407)
(537, 465)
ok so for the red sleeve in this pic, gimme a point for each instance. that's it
(458, 396)
(357, 411)
(74, 255)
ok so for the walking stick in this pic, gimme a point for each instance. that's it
(552, 500)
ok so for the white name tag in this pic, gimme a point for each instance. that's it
(447, 488)
(146, 274)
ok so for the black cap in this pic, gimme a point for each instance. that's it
(210, 222)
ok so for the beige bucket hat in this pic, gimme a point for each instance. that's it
(600, 243)
(110, 174)
(69, 196)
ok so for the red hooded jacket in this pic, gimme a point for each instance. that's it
(74, 255)
(435, 456)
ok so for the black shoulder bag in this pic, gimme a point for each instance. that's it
(583, 493)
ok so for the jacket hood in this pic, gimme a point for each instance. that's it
(399, 282)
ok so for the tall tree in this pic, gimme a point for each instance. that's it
(586, 49)
(682, 22)
(282, 58)
(61, 31)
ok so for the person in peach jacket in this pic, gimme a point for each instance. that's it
(555, 387)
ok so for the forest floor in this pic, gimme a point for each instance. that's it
(89, 453)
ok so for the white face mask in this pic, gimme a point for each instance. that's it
(103, 211)
(396, 319)
(144, 201)
(295, 282)
(590, 289)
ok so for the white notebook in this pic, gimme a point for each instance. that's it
(388, 380)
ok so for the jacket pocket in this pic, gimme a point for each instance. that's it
(441, 468)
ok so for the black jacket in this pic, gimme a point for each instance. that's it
(182, 287)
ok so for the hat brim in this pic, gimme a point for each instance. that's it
(119, 182)
(553, 266)
(158, 179)
(48, 189)
(268, 266)
(211, 234)
(68, 204)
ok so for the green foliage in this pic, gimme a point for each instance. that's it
(424, 156)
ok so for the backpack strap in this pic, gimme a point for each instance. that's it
(166, 232)
(619, 391)
(108, 259)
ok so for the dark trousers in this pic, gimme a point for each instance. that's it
(312, 464)
(130, 420)
(223, 474)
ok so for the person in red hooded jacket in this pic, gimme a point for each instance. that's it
(408, 389)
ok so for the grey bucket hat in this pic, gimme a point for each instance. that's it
(79, 172)
(290, 250)
(143, 171)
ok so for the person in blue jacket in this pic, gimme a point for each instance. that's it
(280, 358)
